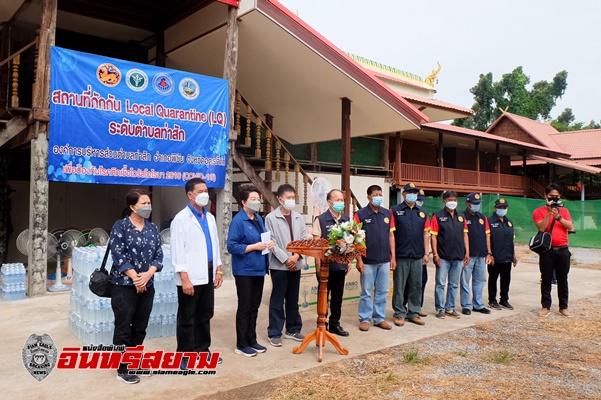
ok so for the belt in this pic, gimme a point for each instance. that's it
(557, 248)
(211, 264)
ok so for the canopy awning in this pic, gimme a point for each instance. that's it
(288, 70)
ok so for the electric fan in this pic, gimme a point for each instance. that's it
(319, 191)
(67, 240)
(23, 244)
(166, 236)
(97, 237)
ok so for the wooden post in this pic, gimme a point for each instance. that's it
(478, 160)
(346, 153)
(161, 57)
(313, 153)
(524, 163)
(38, 185)
(498, 153)
(4, 205)
(441, 156)
(225, 196)
(386, 150)
(398, 158)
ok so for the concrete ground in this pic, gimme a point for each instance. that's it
(49, 314)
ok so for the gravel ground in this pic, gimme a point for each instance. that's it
(518, 357)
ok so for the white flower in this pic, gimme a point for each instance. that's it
(348, 237)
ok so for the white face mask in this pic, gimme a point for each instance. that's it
(451, 205)
(289, 204)
(202, 199)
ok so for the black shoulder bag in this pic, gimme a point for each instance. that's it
(100, 280)
(541, 242)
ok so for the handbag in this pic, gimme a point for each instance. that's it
(100, 280)
(541, 242)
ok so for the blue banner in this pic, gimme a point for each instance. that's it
(119, 122)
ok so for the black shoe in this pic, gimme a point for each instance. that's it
(554, 282)
(505, 304)
(337, 330)
(482, 310)
(494, 304)
(466, 311)
(127, 378)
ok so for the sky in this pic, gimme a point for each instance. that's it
(472, 37)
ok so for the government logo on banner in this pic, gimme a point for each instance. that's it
(119, 122)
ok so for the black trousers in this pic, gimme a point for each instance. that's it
(424, 281)
(250, 291)
(494, 271)
(132, 311)
(335, 294)
(285, 288)
(555, 260)
(194, 313)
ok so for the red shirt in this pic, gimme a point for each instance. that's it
(559, 234)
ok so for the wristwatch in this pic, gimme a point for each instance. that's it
(559, 218)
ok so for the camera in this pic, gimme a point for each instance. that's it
(556, 203)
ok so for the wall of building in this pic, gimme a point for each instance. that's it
(508, 129)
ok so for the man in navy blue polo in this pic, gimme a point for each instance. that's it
(321, 229)
(450, 248)
(421, 196)
(376, 265)
(503, 255)
(480, 255)
(411, 225)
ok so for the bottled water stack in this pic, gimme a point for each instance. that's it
(91, 318)
(13, 282)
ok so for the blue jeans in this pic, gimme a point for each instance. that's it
(448, 270)
(377, 275)
(474, 271)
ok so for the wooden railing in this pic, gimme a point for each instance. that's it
(460, 177)
(14, 62)
(258, 137)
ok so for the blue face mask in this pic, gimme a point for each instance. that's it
(377, 201)
(475, 207)
(338, 206)
(501, 212)
(411, 197)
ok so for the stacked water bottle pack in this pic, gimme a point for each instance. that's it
(13, 282)
(91, 318)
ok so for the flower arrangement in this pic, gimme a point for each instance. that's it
(346, 242)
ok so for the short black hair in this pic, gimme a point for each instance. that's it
(372, 189)
(132, 197)
(245, 191)
(192, 183)
(448, 193)
(329, 195)
(552, 187)
(285, 188)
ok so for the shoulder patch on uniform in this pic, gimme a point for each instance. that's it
(460, 219)
(386, 219)
(509, 224)
(481, 221)
(421, 214)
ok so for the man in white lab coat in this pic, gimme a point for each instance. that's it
(197, 265)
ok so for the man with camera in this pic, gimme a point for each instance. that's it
(556, 219)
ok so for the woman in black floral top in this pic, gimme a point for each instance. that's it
(135, 245)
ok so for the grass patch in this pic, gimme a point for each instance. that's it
(462, 353)
(413, 357)
(501, 357)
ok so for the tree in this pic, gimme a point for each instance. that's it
(565, 122)
(512, 93)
